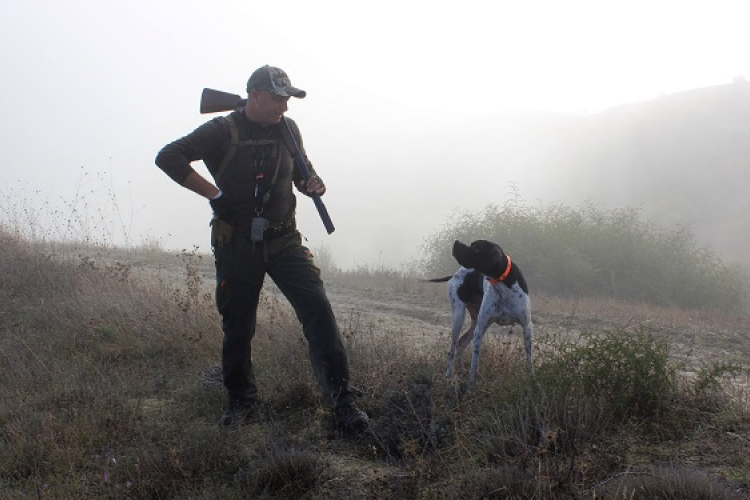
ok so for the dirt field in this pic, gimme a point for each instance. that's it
(694, 338)
(401, 306)
(389, 304)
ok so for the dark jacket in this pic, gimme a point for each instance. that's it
(263, 161)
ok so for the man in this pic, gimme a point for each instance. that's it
(254, 234)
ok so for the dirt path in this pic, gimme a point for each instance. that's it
(399, 313)
(420, 310)
(695, 339)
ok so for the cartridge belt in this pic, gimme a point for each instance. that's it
(243, 227)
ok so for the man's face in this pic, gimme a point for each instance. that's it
(266, 107)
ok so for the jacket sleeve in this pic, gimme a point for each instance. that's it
(204, 143)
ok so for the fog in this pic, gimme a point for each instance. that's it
(415, 110)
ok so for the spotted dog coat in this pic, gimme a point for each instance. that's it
(493, 290)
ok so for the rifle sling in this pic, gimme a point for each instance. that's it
(291, 146)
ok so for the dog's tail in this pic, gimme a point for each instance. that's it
(437, 280)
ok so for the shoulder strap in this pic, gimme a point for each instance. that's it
(231, 150)
(290, 143)
(288, 139)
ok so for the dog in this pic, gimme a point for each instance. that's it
(492, 288)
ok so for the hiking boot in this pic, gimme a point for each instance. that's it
(350, 418)
(237, 413)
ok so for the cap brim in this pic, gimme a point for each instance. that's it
(290, 92)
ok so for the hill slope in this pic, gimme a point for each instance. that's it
(684, 158)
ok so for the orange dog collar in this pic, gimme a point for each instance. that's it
(505, 274)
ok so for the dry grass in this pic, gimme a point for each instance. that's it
(101, 397)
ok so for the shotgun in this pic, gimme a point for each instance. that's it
(214, 101)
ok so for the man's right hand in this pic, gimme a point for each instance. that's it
(221, 206)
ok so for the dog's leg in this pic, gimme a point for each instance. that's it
(524, 316)
(459, 313)
(473, 308)
(528, 333)
(465, 339)
(479, 331)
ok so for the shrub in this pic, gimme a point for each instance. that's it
(629, 374)
(587, 251)
(577, 395)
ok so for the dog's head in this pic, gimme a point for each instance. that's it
(484, 256)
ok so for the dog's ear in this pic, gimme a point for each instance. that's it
(458, 248)
(483, 255)
(463, 254)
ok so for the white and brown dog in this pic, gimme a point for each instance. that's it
(493, 289)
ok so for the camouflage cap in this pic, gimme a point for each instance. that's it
(274, 80)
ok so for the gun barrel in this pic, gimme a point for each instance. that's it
(301, 165)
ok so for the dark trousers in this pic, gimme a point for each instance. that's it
(241, 267)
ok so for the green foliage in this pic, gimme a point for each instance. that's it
(628, 374)
(588, 251)
(709, 384)
(577, 394)
(710, 375)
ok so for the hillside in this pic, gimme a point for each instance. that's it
(683, 158)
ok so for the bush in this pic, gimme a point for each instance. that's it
(629, 374)
(587, 251)
(578, 394)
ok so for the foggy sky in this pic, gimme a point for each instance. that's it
(405, 100)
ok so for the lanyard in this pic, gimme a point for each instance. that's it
(262, 151)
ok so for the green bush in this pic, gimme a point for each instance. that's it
(628, 374)
(579, 393)
(591, 252)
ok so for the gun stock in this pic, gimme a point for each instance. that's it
(214, 101)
